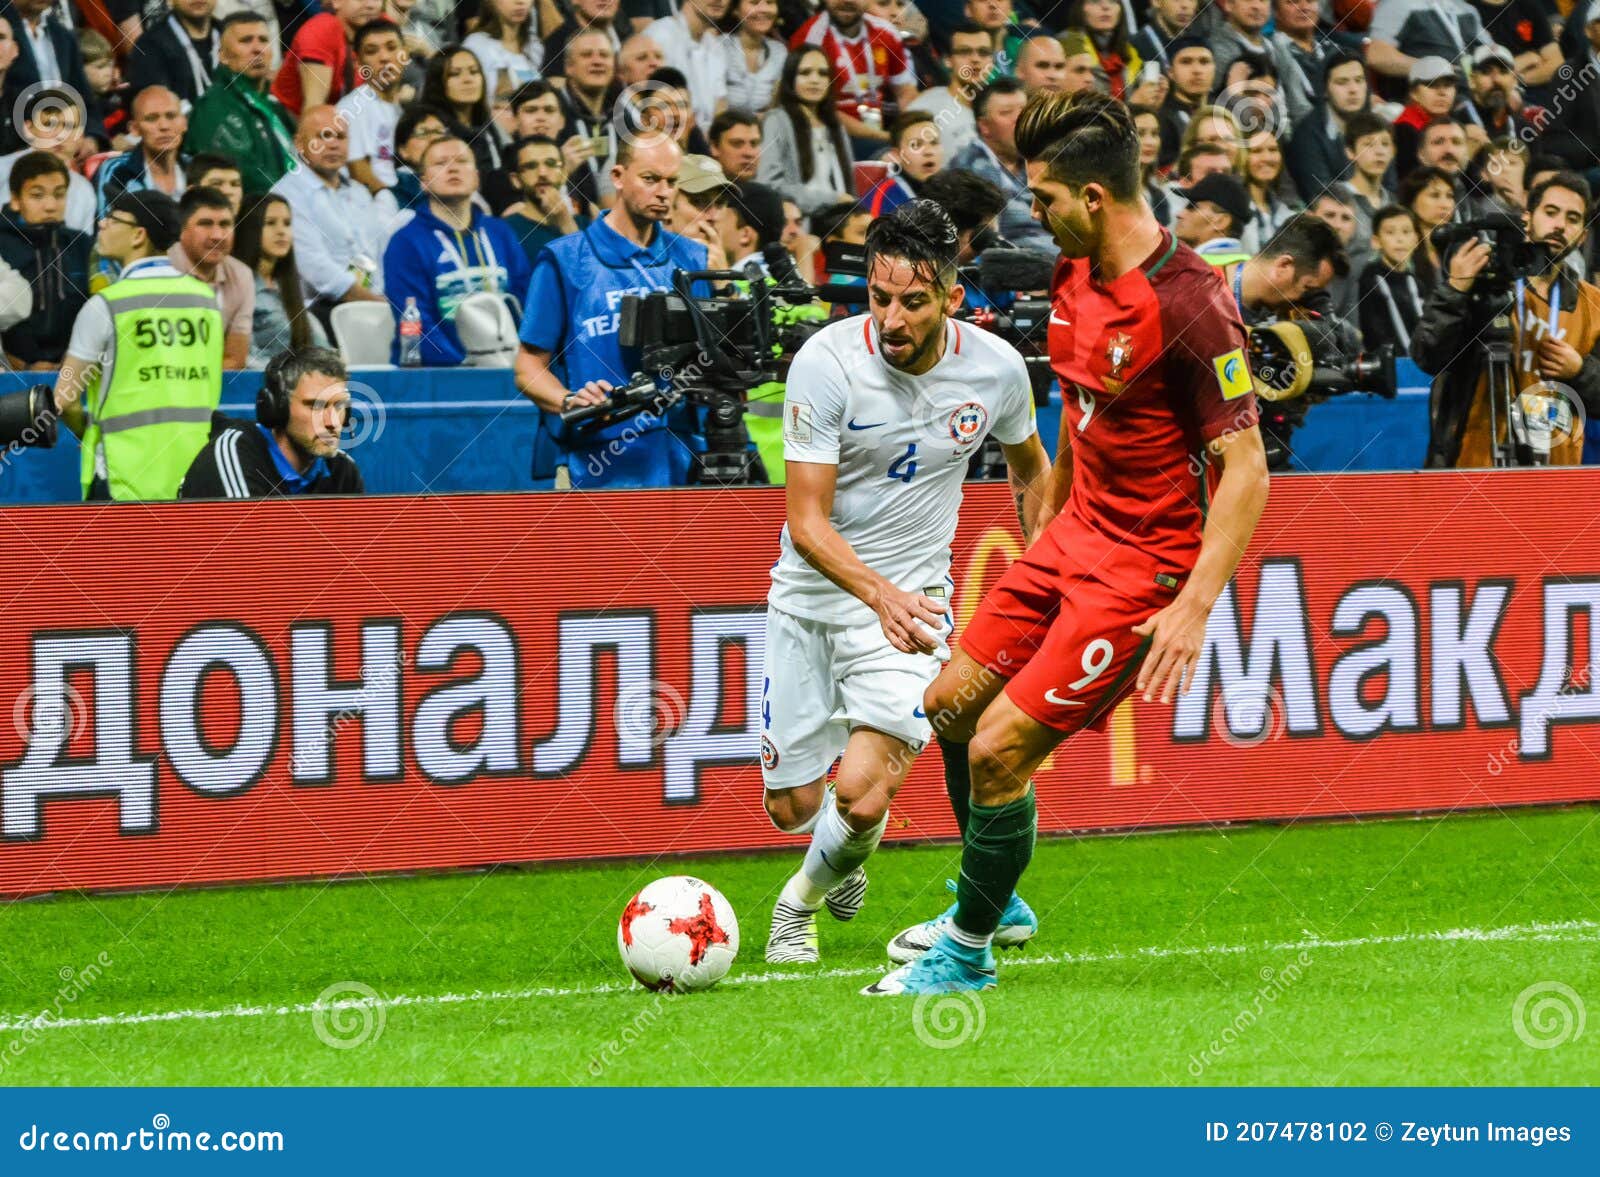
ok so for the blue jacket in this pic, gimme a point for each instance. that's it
(438, 266)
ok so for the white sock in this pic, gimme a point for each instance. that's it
(968, 939)
(835, 851)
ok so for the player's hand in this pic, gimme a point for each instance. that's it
(1558, 359)
(1467, 263)
(596, 392)
(1179, 632)
(906, 619)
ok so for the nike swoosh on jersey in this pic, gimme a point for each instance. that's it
(1055, 318)
(851, 424)
(1050, 696)
(919, 713)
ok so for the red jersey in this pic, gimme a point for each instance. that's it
(320, 41)
(1152, 367)
(866, 67)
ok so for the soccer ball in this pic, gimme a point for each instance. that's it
(678, 935)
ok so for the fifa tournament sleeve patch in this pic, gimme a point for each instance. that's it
(797, 423)
(1233, 374)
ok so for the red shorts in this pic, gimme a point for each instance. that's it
(1062, 632)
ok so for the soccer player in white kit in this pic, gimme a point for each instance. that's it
(882, 413)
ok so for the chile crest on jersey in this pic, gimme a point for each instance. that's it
(1102, 337)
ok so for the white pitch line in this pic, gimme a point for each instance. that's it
(1569, 931)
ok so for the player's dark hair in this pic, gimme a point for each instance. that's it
(1388, 213)
(243, 17)
(1363, 123)
(529, 91)
(1310, 241)
(1337, 58)
(903, 124)
(208, 161)
(971, 201)
(921, 233)
(371, 29)
(415, 115)
(965, 28)
(727, 120)
(1005, 84)
(194, 199)
(34, 165)
(531, 141)
(1568, 182)
(1083, 138)
(829, 222)
(1416, 181)
(1438, 120)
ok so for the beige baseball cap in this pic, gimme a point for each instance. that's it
(701, 173)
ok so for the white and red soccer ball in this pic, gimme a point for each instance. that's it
(678, 935)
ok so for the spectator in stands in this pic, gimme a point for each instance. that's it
(1432, 95)
(753, 56)
(1101, 27)
(1430, 195)
(700, 207)
(1569, 135)
(337, 228)
(157, 162)
(418, 126)
(1242, 33)
(1369, 145)
(455, 83)
(586, 14)
(428, 24)
(735, 139)
(1521, 30)
(754, 221)
(292, 447)
(973, 204)
(545, 211)
(805, 151)
(1168, 20)
(16, 296)
(1315, 150)
(1212, 220)
(237, 116)
(846, 224)
(1195, 164)
(264, 241)
(1270, 208)
(665, 106)
(371, 111)
(52, 122)
(1389, 295)
(204, 250)
(915, 153)
(319, 67)
(164, 390)
(691, 39)
(571, 357)
(1216, 124)
(1443, 145)
(998, 19)
(970, 59)
(47, 49)
(451, 250)
(107, 96)
(803, 246)
(1404, 32)
(994, 157)
(209, 170)
(1494, 98)
(51, 257)
(1497, 178)
(588, 100)
(266, 12)
(177, 52)
(1191, 73)
(1335, 207)
(1148, 123)
(871, 73)
(506, 44)
(1297, 36)
(638, 58)
(1042, 68)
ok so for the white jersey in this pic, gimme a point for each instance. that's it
(902, 444)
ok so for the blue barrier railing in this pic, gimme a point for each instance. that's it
(461, 429)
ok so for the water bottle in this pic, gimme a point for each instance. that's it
(411, 335)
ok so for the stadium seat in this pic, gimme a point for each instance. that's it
(868, 173)
(363, 331)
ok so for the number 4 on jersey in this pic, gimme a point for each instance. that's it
(905, 466)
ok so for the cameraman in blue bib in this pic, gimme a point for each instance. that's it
(571, 356)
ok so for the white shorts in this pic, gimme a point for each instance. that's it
(821, 682)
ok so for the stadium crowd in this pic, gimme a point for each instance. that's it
(415, 154)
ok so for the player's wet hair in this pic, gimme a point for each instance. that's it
(923, 234)
(1083, 138)
(1310, 241)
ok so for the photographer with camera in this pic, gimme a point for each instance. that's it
(1511, 338)
(571, 356)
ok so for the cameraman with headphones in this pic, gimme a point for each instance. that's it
(1553, 340)
(293, 446)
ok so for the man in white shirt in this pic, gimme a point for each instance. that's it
(692, 43)
(971, 58)
(339, 229)
(371, 111)
(882, 414)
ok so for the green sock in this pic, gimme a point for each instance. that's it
(957, 780)
(999, 843)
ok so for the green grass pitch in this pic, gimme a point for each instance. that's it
(1441, 950)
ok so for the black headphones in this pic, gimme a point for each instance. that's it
(272, 401)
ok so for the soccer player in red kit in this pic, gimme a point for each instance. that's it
(1159, 482)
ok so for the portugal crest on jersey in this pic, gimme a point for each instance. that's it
(967, 423)
(1119, 352)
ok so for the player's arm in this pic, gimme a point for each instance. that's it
(1179, 630)
(1060, 487)
(1029, 472)
(906, 617)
